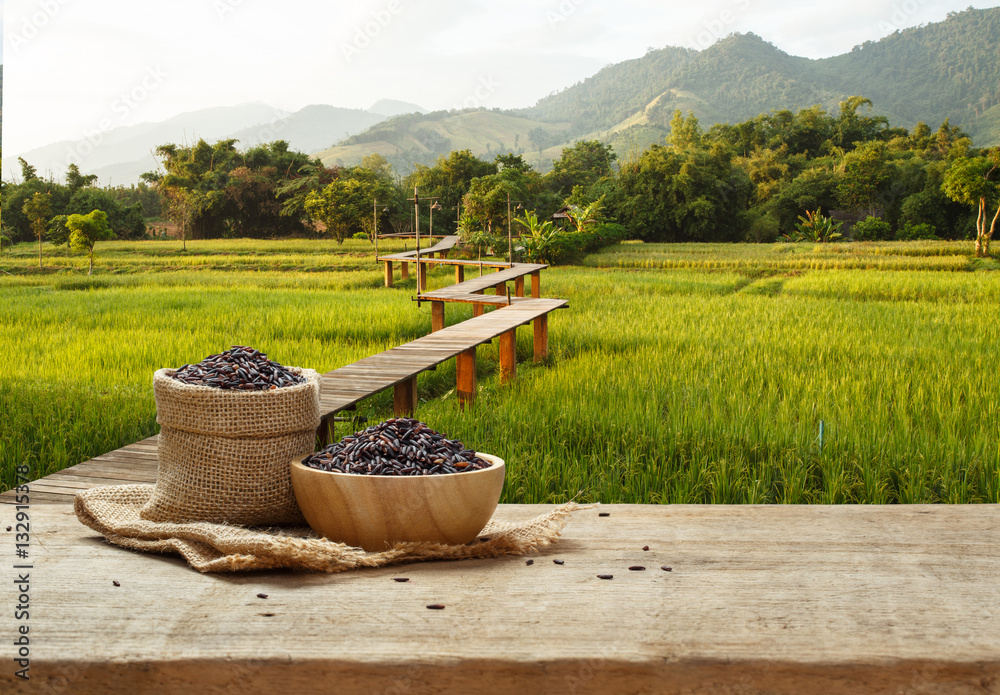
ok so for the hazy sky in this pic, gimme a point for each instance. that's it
(73, 66)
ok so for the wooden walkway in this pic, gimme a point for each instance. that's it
(398, 367)
(130, 465)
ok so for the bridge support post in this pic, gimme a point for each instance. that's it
(388, 273)
(421, 277)
(465, 368)
(437, 316)
(508, 356)
(477, 309)
(404, 271)
(536, 284)
(519, 286)
(459, 274)
(404, 397)
(541, 340)
(501, 289)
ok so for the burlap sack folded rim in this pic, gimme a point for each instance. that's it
(235, 413)
(113, 511)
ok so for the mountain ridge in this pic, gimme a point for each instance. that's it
(937, 71)
(926, 73)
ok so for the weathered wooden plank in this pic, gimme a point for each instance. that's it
(782, 600)
(37, 497)
(96, 476)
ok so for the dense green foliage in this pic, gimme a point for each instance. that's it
(929, 73)
(217, 191)
(126, 208)
(773, 176)
(703, 382)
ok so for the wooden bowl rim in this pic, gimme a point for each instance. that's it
(495, 463)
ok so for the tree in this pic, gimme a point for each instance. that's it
(58, 232)
(448, 181)
(695, 194)
(309, 177)
(193, 186)
(976, 181)
(685, 133)
(583, 164)
(37, 208)
(865, 174)
(126, 221)
(28, 172)
(86, 230)
(486, 203)
(344, 206)
(75, 180)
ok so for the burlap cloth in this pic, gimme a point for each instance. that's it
(208, 547)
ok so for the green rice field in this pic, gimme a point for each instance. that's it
(680, 373)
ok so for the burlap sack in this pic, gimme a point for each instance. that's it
(224, 455)
(114, 512)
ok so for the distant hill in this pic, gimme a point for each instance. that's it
(949, 69)
(415, 138)
(392, 107)
(311, 128)
(123, 154)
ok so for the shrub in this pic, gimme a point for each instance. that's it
(912, 232)
(815, 226)
(764, 230)
(872, 229)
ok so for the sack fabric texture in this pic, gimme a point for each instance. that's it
(115, 512)
(224, 455)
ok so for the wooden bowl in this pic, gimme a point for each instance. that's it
(375, 511)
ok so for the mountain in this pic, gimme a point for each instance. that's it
(392, 107)
(120, 155)
(949, 69)
(418, 138)
(312, 128)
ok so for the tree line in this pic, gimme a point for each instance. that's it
(759, 180)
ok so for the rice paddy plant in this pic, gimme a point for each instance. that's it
(924, 255)
(663, 386)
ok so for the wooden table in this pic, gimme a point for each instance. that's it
(776, 599)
